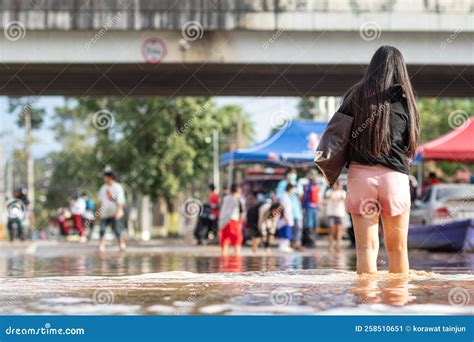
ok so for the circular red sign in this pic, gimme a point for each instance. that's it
(153, 50)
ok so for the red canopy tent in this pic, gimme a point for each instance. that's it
(456, 145)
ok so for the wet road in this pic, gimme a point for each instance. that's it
(167, 277)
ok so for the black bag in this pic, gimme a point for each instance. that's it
(331, 154)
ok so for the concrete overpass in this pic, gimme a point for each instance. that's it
(229, 47)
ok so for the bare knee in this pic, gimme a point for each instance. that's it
(367, 245)
(396, 247)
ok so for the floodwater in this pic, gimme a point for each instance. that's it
(169, 279)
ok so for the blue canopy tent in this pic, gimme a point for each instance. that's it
(291, 145)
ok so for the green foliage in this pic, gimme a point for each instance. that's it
(435, 115)
(438, 116)
(308, 108)
(228, 120)
(157, 146)
(21, 105)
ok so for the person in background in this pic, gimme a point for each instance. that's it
(77, 206)
(89, 217)
(269, 215)
(111, 202)
(291, 178)
(310, 204)
(336, 211)
(253, 209)
(302, 182)
(63, 216)
(286, 222)
(231, 218)
(17, 209)
(214, 201)
(413, 188)
(432, 180)
(298, 219)
(297, 226)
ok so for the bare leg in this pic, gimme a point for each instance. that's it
(330, 235)
(122, 244)
(102, 245)
(338, 236)
(272, 239)
(395, 233)
(367, 242)
(255, 242)
(225, 249)
(238, 250)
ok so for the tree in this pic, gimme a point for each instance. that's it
(308, 108)
(317, 108)
(26, 106)
(235, 127)
(158, 146)
(29, 116)
(440, 115)
(74, 168)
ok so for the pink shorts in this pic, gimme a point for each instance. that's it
(376, 188)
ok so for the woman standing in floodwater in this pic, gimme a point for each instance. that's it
(384, 138)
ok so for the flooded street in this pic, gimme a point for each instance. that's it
(169, 278)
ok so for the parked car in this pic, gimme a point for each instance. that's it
(444, 203)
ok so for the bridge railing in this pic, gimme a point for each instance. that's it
(211, 14)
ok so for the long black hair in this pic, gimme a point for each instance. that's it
(370, 104)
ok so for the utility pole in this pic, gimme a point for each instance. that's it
(230, 168)
(2, 179)
(238, 175)
(216, 175)
(30, 180)
(10, 165)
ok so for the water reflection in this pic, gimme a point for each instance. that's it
(390, 290)
(122, 264)
(299, 283)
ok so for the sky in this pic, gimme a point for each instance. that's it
(261, 110)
